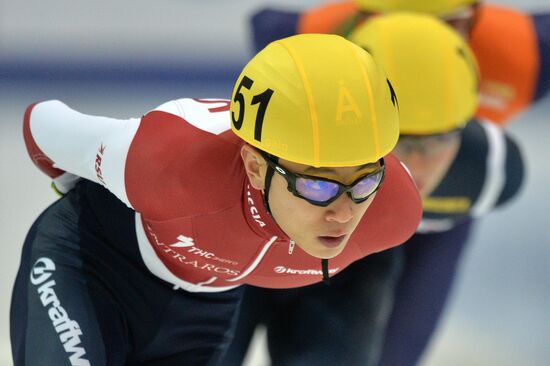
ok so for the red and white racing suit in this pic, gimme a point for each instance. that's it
(200, 225)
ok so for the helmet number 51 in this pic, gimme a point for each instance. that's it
(262, 99)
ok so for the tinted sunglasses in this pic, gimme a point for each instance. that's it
(322, 192)
(427, 145)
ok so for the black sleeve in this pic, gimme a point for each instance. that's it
(269, 25)
(542, 27)
(514, 171)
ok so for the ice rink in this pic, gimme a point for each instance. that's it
(499, 313)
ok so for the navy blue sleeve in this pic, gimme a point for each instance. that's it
(542, 27)
(269, 25)
(514, 171)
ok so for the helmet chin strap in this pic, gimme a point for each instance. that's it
(324, 266)
(267, 185)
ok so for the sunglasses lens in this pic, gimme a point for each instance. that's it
(366, 186)
(316, 190)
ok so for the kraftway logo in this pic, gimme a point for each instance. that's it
(68, 330)
(282, 269)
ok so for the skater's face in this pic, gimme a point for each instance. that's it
(428, 157)
(322, 232)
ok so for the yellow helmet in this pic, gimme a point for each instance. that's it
(435, 7)
(316, 99)
(432, 69)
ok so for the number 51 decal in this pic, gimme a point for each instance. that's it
(261, 99)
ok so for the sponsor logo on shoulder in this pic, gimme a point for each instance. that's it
(68, 330)
(189, 244)
(183, 242)
(98, 160)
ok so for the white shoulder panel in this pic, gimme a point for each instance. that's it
(210, 115)
(496, 170)
(90, 147)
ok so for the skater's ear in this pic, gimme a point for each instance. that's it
(255, 166)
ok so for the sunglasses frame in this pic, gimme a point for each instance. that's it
(291, 178)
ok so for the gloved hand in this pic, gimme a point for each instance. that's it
(64, 183)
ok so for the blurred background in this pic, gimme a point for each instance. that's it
(122, 59)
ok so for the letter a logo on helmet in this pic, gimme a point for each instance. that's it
(316, 99)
